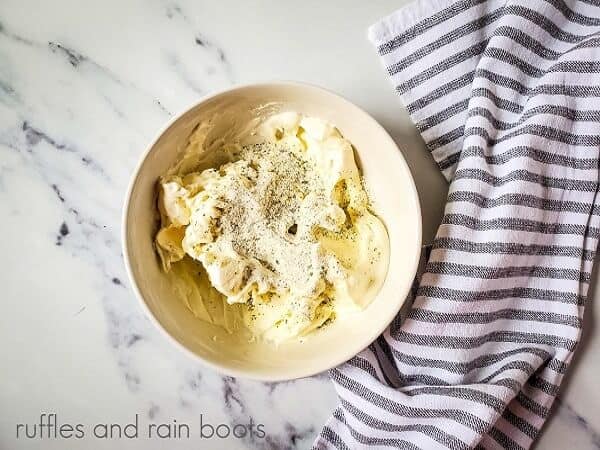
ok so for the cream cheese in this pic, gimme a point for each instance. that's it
(283, 231)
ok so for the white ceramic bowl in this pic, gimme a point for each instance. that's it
(395, 200)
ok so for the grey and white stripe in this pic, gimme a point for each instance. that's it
(505, 95)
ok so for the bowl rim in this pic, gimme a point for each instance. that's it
(219, 368)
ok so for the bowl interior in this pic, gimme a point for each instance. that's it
(395, 201)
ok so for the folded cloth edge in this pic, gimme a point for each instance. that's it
(408, 15)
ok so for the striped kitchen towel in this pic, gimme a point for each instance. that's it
(506, 95)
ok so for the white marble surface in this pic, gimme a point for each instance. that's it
(83, 87)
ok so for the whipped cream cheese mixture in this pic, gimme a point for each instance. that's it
(278, 239)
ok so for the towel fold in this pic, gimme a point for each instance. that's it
(506, 97)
